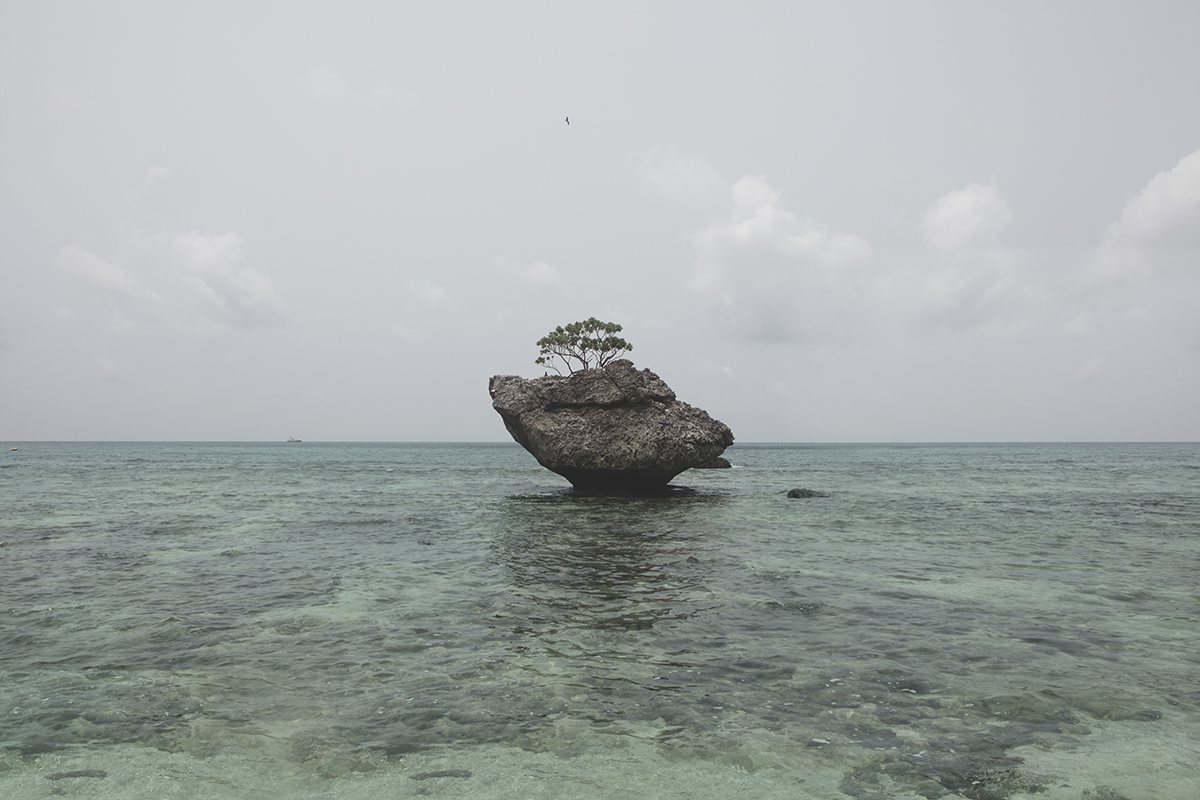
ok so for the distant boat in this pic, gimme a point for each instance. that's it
(290, 439)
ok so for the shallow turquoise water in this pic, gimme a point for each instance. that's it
(331, 620)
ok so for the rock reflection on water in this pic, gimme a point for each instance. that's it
(606, 562)
(604, 593)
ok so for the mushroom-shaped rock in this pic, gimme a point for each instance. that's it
(615, 427)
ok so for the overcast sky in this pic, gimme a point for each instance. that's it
(820, 221)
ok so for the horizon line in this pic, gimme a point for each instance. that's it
(517, 444)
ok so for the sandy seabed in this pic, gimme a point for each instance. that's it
(1113, 761)
(503, 773)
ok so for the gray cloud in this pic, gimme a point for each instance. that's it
(104, 275)
(178, 281)
(235, 293)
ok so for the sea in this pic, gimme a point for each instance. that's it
(318, 620)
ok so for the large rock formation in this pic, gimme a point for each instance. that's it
(610, 428)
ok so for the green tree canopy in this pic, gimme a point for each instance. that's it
(592, 343)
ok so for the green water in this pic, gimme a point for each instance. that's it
(321, 620)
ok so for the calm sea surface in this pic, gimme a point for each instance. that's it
(399, 620)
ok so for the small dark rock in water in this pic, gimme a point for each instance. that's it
(803, 608)
(442, 773)
(805, 493)
(717, 463)
(79, 773)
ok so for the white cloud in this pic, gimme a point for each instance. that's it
(1165, 215)
(759, 221)
(773, 275)
(104, 274)
(538, 272)
(967, 218)
(427, 291)
(240, 295)
(1170, 203)
(971, 280)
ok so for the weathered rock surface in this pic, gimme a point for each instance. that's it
(611, 428)
(716, 463)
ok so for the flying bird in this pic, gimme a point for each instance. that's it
(568, 120)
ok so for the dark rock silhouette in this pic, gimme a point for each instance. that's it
(611, 428)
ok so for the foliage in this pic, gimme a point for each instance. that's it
(592, 343)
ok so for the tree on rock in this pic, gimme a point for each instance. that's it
(592, 343)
